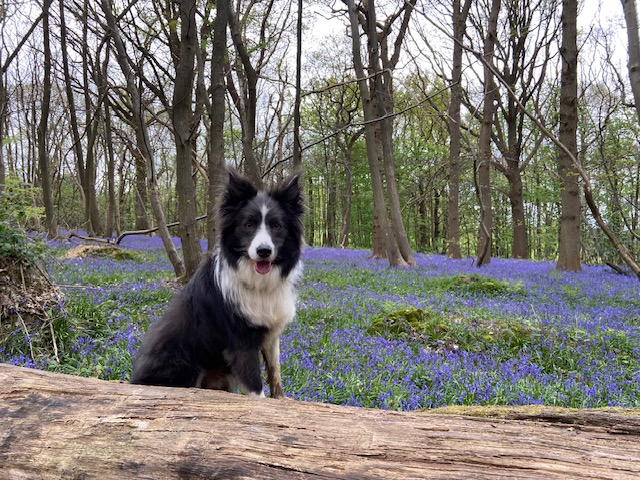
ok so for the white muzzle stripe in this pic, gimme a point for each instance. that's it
(262, 239)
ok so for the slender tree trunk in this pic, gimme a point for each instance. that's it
(570, 222)
(112, 205)
(247, 101)
(330, 213)
(73, 118)
(422, 233)
(43, 154)
(380, 210)
(520, 247)
(347, 196)
(4, 100)
(484, 251)
(379, 233)
(436, 218)
(297, 160)
(142, 196)
(216, 153)
(89, 182)
(512, 171)
(184, 122)
(398, 229)
(311, 226)
(379, 56)
(92, 129)
(632, 24)
(3, 115)
(524, 65)
(142, 138)
(459, 19)
(4, 103)
(120, 193)
(485, 139)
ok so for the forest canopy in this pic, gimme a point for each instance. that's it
(485, 128)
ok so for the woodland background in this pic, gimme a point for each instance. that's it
(473, 128)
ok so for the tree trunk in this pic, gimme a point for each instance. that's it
(311, 226)
(380, 209)
(570, 222)
(111, 224)
(485, 139)
(43, 153)
(459, 19)
(4, 107)
(632, 25)
(246, 101)
(575, 164)
(422, 233)
(60, 426)
(73, 117)
(92, 128)
(520, 247)
(436, 218)
(142, 196)
(380, 221)
(527, 53)
(4, 100)
(297, 157)
(184, 121)
(346, 150)
(396, 216)
(111, 217)
(142, 138)
(379, 57)
(216, 152)
(329, 236)
(89, 181)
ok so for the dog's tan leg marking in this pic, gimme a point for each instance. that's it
(271, 355)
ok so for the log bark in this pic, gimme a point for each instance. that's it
(60, 426)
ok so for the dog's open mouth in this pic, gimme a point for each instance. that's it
(263, 267)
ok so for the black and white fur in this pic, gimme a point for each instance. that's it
(239, 300)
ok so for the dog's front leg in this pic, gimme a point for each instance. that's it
(271, 354)
(245, 368)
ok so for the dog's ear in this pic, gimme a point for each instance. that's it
(289, 193)
(239, 189)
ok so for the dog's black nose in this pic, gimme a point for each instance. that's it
(264, 251)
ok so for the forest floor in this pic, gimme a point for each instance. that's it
(444, 333)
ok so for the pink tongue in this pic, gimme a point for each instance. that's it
(263, 267)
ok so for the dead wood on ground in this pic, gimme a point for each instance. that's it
(59, 426)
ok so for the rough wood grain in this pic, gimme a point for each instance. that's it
(58, 426)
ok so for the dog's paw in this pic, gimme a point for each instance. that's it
(277, 392)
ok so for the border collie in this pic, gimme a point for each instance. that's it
(239, 300)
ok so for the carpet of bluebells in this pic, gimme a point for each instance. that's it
(445, 332)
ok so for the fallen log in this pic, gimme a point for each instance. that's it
(60, 426)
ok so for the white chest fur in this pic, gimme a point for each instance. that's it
(266, 300)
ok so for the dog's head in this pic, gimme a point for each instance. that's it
(262, 227)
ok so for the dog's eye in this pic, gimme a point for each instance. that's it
(276, 226)
(249, 225)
